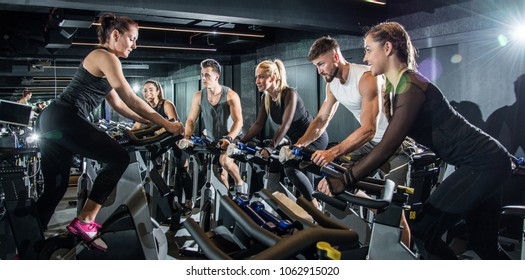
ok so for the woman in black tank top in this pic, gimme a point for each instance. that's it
(66, 130)
(154, 95)
(416, 108)
(286, 108)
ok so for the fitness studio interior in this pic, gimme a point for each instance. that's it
(109, 150)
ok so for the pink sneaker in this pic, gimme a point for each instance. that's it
(88, 232)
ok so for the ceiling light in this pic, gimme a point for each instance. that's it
(202, 30)
(188, 48)
(50, 81)
(43, 88)
(518, 33)
(59, 67)
(124, 66)
(53, 77)
(379, 2)
(76, 21)
(136, 66)
(178, 48)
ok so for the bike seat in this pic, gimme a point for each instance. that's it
(514, 210)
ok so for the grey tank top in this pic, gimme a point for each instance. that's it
(215, 118)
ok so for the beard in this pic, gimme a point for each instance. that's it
(331, 76)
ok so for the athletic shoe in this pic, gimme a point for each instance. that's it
(241, 189)
(187, 208)
(88, 232)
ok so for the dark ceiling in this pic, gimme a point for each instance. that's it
(39, 42)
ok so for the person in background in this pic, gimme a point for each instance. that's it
(154, 95)
(216, 103)
(26, 96)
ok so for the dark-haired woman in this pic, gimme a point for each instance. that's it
(154, 95)
(65, 129)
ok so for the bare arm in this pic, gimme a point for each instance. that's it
(103, 63)
(258, 125)
(368, 119)
(118, 105)
(193, 115)
(170, 110)
(236, 113)
(321, 121)
(369, 110)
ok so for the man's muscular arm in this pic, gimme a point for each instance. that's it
(193, 115)
(321, 121)
(369, 110)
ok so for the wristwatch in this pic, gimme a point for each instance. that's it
(228, 138)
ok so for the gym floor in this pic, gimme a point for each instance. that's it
(65, 212)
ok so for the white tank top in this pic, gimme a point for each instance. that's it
(348, 95)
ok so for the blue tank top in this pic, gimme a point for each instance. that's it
(85, 91)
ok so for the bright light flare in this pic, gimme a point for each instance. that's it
(136, 87)
(518, 33)
(33, 138)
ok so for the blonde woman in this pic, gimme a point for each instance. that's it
(286, 108)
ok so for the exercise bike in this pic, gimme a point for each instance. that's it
(517, 210)
(249, 154)
(128, 226)
(385, 233)
(252, 238)
(210, 214)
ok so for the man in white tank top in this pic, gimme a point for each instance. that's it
(354, 87)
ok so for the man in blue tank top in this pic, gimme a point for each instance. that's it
(216, 103)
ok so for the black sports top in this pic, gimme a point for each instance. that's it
(160, 109)
(85, 91)
(423, 113)
(300, 121)
(292, 126)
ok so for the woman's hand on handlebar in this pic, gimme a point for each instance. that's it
(265, 152)
(337, 185)
(175, 128)
(323, 187)
(322, 157)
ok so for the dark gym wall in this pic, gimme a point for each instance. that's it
(459, 51)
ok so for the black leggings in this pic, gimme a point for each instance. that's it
(473, 195)
(182, 181)
(62, 134)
